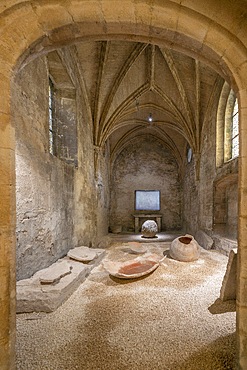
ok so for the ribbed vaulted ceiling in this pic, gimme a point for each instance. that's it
(124, 82)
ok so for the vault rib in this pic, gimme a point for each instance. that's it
(143, 123)
(215, 93)
(72, 54)
(171, 64)
(152, 66)
(162, 137)
(136, 52)
(179, 116)
(153, 106)
(105, 46)
(137, 93)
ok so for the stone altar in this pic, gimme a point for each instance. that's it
(138, 216)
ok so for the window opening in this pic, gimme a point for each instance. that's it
(51, 117)
(235, 131)
(227, 129)
(189, 155)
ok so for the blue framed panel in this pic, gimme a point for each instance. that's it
(147, 200)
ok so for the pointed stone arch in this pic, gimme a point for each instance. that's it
(215, 32)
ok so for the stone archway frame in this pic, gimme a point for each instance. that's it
(208, 30)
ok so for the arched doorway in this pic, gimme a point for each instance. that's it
(215, 33)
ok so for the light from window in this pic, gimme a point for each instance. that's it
(235, 131)
(51, 121)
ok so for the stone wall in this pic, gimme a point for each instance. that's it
(56, 201)
(207, 171)
(226, 200)
(232, 210)
(210, 194)
(190, 198)
(45, 184)
(27, 30)
(103, 192)
(145, 165)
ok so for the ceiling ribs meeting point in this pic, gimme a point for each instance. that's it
(155, 107)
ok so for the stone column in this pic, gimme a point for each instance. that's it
(7, 231)
(242, 239)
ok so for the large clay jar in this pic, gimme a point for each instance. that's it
(185, 248)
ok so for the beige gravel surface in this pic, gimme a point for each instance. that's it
(171, 319)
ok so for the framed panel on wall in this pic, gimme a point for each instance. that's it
(147, 200)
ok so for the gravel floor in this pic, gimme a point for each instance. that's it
(171, 319)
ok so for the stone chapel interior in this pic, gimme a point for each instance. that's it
(97, 121)
(102, 103)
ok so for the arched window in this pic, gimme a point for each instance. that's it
(235, 131)
(227, 129)
(62, 111)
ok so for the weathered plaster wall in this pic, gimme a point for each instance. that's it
(223, 30)
(207, 171)
(89, 209)
(145, 165)
(91, 189)
(84, 194)
(232, 210)
(56, 202)
(44, 183)
(226, 200)
(103, 192)
(210, 199)
(190, 198)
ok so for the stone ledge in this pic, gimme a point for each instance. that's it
(32, 296)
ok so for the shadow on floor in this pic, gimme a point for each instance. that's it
(220, 354)
(222, 307)
(128, 281)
